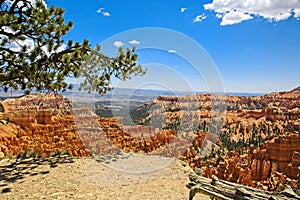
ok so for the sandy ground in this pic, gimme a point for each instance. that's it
(120, 176)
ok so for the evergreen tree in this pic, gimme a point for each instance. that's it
(33, 54)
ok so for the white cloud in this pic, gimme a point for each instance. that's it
(219, 15)
(59, 49)
(297, 13)
(16, 45)
(200, 18)
(118, 43)
(234, 17)
(100, 10)
(134, 42)
(236, 11)
(106, 14)
(172, 51)
(183, 9)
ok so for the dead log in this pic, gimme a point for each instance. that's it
(221, 189)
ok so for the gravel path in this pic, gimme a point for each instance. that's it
(120, 176)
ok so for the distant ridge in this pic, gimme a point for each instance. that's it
(153, 93)
(297, 89)
(244, 94)
(294, 93)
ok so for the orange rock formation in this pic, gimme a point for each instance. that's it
(49, 123)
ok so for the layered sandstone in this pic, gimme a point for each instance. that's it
(40, 123)
(269, 167)
(248, 140)
(261, 132)
(48, 124)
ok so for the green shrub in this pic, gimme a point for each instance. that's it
(1, 108)
(29, 153)
(60, 152)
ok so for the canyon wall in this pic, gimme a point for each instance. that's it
(49, 124)
(263, 132)
(270, 167)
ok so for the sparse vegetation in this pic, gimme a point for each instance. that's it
(1, 108)
(297, 191)
(33, 153)
(60, 152)
(7, 154)
(30, 153)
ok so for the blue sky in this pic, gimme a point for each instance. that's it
(255, 45)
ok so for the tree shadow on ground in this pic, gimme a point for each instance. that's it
(14, 170)
(109, 158)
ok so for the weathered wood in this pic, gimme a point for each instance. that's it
(226, 190)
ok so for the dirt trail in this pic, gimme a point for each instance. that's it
(121, 176)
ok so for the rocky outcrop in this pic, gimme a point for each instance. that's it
(292, 170)
(108, 135)
(51, 124)
(9, 142)
(39, 123)
(267, 167)
(269, 122)
(282, 154)
(255, 142)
